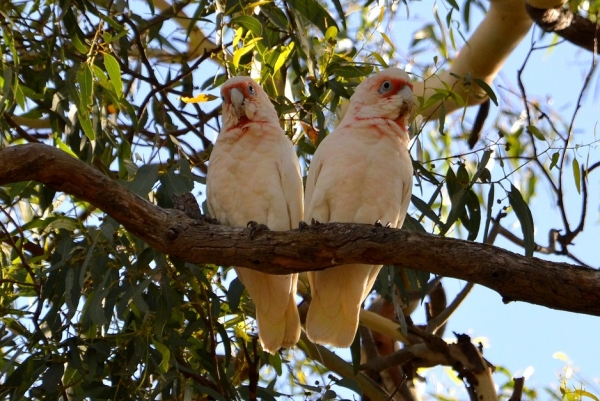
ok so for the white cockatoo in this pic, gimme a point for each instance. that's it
(254, 175)
(360, 173)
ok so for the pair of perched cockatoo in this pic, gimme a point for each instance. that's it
(360, 173)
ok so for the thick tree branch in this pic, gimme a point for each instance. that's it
(576, 29)
(516, 278)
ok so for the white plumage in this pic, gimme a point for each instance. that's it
(360, 173)
(253, 175)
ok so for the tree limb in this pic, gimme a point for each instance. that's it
(517, 278)
(576, 29)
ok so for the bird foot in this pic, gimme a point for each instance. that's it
(314, 222)
(302, 225)
(256, 228)
(378, 224)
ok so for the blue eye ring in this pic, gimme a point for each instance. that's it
(251, 89)
(385, 87)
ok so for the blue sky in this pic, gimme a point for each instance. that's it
(519, 334)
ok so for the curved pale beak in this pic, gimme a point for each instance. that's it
(237, 101)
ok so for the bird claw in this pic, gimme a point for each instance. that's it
(379, 224)
(256, 228)
(302, 225)
(314, 222)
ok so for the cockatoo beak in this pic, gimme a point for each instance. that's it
(237, 101)
(406, 111)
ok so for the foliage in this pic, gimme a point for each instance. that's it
(89, 310)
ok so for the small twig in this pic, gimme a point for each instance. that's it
(518, 389)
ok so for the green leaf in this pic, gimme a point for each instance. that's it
(165, 353)
(350, 384)
(349, 70)
(114, 72)
(554, 161)
(536, 132)
(473, 220)
(86, 125)
(524, 215)
(425, 209)
(338, 88)
(144, 180)
(488, 219)
(283, 56)
(313, 12)
(486, 88)
(250, 23)
(236, 288)
(62, 146)
(577, 175)
(239, 53)
(86, 87)
(331, 33)
(442, 119)
(481, 167)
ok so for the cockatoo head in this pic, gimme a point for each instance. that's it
(244, 101)
(387, 94)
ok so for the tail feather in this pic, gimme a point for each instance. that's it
(337, 295)
(276, 311)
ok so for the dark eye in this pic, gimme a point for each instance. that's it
(251, 90)
(385, 87)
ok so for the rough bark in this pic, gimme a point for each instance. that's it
(515, 277)
(576, 29)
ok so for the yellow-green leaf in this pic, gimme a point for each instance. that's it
(201, 98)
(166, 355)
(114, 72)
(387, 40)
(86, 87)
(283, 56)
(381, 15)
(554, 161)
(86, 125)
(331, 33)
(239, 53)
(62, 146)
(536, 132)
(577, 174)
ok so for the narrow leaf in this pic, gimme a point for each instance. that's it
(165, 353)
(62, 146)
(85, 81)
(577, 175)
(86, 125)
(554, 161)
(536, 132)
(201, 98)
(313, 12)
(249, 23)
(524, 215)
(486, 88)
(488, 219)
(114, 72)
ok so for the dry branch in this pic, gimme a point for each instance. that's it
(517, 278)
